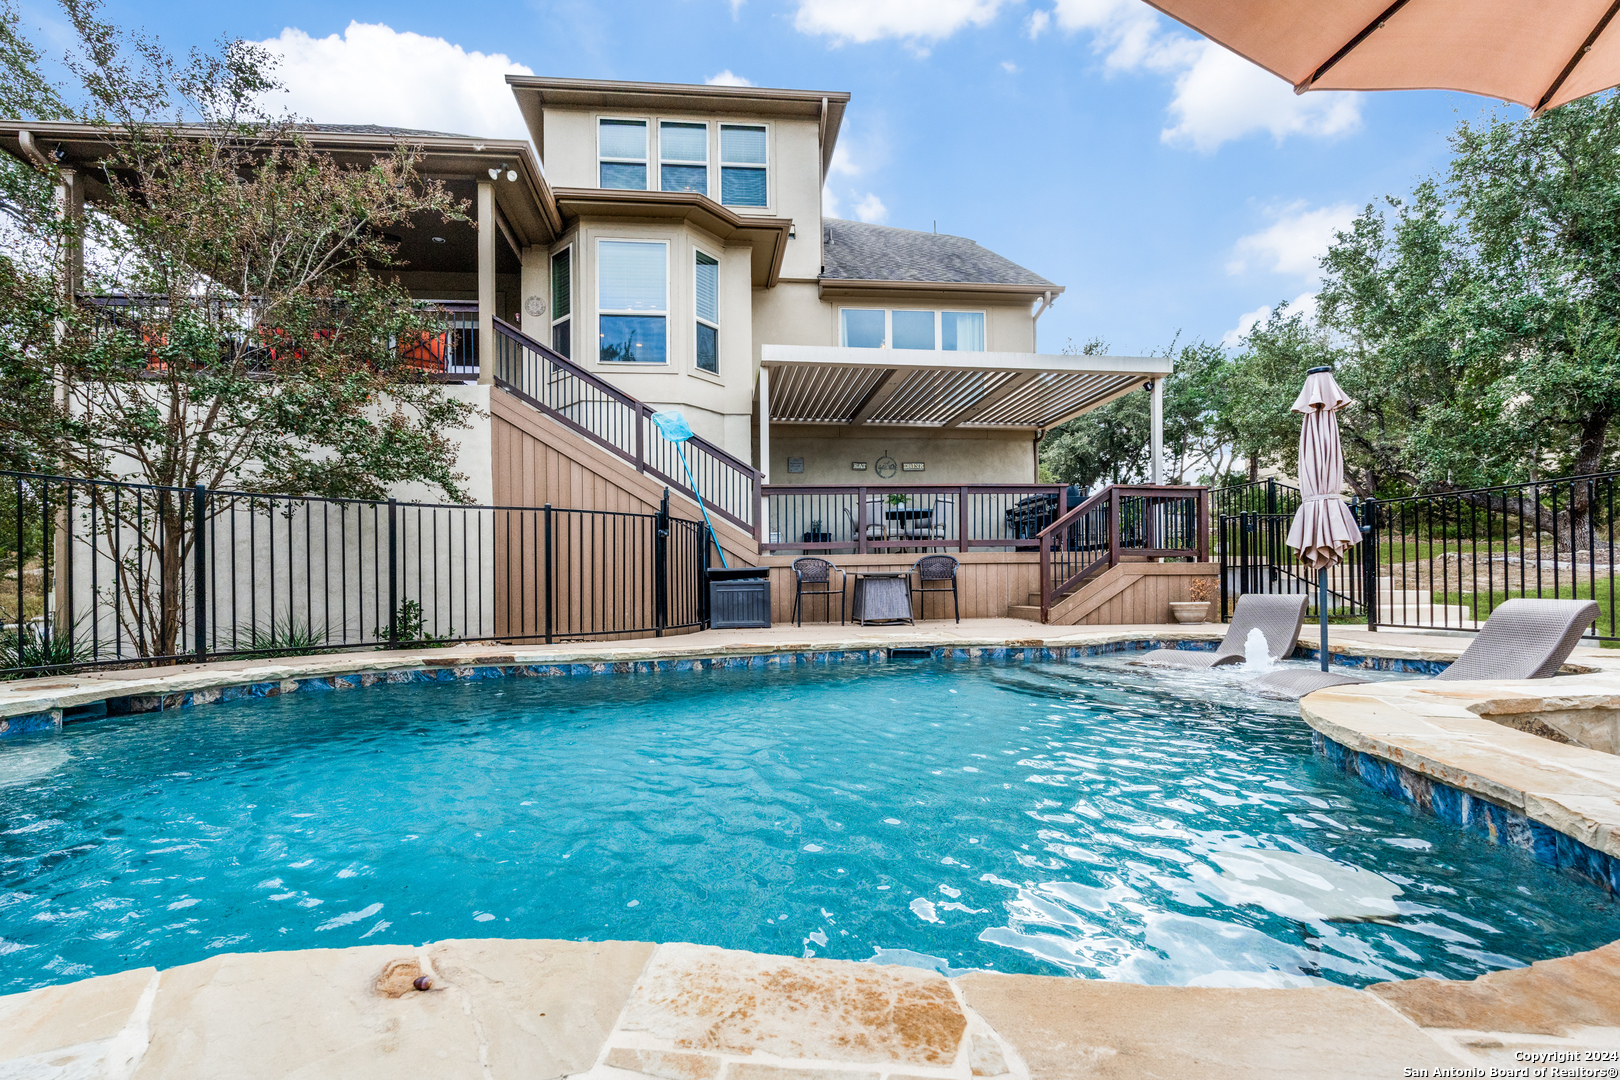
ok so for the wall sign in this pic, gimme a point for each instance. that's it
(858, 466)
(795, 464)
(535, 306)
(911, 466)
(885, 466)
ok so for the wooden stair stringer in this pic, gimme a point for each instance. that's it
(1094, 594)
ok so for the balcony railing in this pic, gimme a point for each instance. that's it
(617, 422)
(907, 517)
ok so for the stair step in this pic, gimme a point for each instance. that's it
(1032, 612)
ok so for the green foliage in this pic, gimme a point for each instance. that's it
(413, 628)
(260, 346)
(286, 638)
(29, 654)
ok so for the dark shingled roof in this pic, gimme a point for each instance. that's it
(856, 251)
(376, 129)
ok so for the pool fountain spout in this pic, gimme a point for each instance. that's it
(1257, 658)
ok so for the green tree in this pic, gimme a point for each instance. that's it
(259, 344)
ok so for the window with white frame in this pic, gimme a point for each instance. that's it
(632, 301)
(961, 331)
(743, 179)
(621, 151)
(683, 156)
(900, 328)
(706, 288)
(562, 301)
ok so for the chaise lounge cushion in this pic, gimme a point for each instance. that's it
(1278, 616)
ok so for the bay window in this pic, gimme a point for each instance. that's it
(632, 290)
(706, 274)
(562, 302)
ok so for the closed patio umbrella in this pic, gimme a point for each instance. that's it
(1323, 528)
(1538, 53)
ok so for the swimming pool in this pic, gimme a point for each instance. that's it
(1086, 818)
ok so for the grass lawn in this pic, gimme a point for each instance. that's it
(1482, 604)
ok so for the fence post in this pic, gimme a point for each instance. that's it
(199, 564)
(660, 567)
(1226, 546)
(393, 574)
(703, 580)
(1243, 554)
(1369, 560)
(551, 577)
(1271, 494)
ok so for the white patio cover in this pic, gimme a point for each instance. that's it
(1323, 528)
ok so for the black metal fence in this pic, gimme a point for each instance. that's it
(1259, 497)
(1445, 561)
(1255, 558)
(100, 573)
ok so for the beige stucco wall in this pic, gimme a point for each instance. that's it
(792, 313)
(966, 458)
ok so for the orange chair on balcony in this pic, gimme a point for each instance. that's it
(425, 352)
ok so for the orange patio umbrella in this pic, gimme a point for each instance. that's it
(1537, 53)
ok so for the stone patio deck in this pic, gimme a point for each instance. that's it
(629, 1010)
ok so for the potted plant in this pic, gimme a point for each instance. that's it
(1200, 590)
(815, 535)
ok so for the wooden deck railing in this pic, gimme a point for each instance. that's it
(1118, 523)
(911, 517)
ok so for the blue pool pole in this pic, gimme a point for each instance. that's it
(680, 448)
(674, 427)
(1321, 611)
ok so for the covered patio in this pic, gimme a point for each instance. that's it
(970, 406)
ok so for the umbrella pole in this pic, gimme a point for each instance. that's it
(1321, 611)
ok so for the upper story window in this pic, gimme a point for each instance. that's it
(742, 165)
(877, 328)
(706, 281)
(683, 157)
(632, 291)
(562, 301)
(621, 151)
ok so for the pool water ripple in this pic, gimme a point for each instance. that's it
(1092, 819)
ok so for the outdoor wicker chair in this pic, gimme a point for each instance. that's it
(1522, 639)
(1278, 616)
(936, 568)
(816, 573)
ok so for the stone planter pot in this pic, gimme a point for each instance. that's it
(1190, 611)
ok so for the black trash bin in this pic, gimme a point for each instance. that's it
(739, 597)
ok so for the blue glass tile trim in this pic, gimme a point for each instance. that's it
(1498, 824)
(29, 723)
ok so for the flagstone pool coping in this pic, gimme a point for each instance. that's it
(1469, 752)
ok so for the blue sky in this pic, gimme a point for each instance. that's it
(1169, 185)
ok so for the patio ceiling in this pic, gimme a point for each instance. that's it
(944, 390)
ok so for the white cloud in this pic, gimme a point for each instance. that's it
(842, 163)
(1038, 22)
(1294, 242)
(1219, 96)
(1303, 304)
(1246, 322)
(917, 22)
(1222, 97)
(1010, 68)
(871, 209)
(728, 78)
(374, 74)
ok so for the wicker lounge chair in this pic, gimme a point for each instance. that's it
(1522, 639)
(1278, 616)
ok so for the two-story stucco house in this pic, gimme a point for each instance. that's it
(854, 388)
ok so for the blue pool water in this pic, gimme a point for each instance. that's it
(1092, 819)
